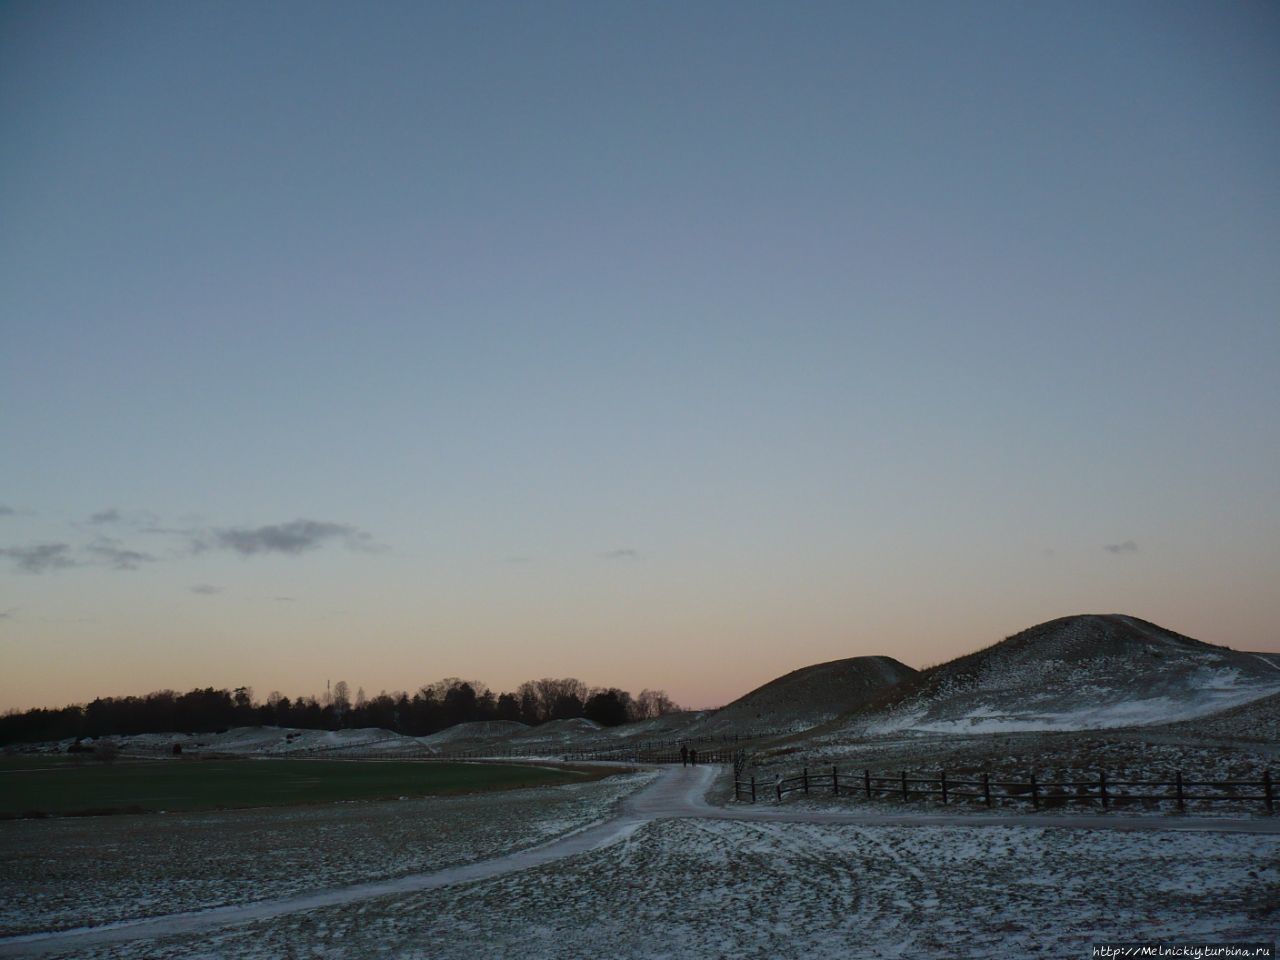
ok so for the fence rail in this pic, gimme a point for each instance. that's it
(497, 752)
(654, 756)
(988, 791)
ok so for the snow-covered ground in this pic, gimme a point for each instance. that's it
(1257, 720)
(704, 888)
(1216, 691)
(251, 741)
(64, 873)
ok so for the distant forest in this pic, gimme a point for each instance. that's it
(432, 708)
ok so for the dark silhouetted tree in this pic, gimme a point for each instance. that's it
(609, 708)
(508, 707)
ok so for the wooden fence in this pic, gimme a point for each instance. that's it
(496, 753)
(986, 790)
(721, 747)
(658, 756)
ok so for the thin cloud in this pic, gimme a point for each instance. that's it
(114, 554)
(622, 553)
(144, 521)
(291, 539)
(6, 511)
(8, 614)
(205, 589)
(40, 557)
(1127, 547)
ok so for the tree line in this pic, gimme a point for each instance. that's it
(431, 708)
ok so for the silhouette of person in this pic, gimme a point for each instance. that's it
(693, 758)
(684, 755)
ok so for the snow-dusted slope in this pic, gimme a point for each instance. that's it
(1257, 720)
(469, 736)
(257, 741)
(1076, 673)
(558, 736)
(806, 697)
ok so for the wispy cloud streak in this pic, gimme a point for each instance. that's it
(293, 538)
(622, 553)
(117, 556)
(40, 557)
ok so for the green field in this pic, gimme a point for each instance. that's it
(39, 786)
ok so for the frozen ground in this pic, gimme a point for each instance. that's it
(671, 876)
(707, 888)
(63, 873)
(252, 741)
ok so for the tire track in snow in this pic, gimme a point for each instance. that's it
(1270, 663)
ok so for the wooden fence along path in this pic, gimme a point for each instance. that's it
(712, 748)
(653, 756)
(989, 791)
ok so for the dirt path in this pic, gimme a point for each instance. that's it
(678, 793)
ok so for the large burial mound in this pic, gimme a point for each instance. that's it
(1076, 673)
(805, 698)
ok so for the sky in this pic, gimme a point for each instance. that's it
(670, 345)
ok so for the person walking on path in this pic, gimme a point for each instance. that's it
(684, 755)
(693, 758)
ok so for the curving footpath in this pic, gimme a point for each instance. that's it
(679, 792)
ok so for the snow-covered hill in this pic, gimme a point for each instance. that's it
(1076, 673)
(806, 697)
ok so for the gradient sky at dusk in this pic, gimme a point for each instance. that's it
(659, 344)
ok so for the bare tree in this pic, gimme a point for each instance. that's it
(555, 696)
(341, 697)
(653, 703)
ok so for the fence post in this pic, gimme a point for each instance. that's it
(904, 785)
(1102, 784)
(1266, 788)
(753, 788)
(866, 776)
(1035, 791)
(805, 774)
(1178, 783)
(944, 787)
(986, 788)
(835, 782)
